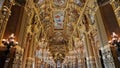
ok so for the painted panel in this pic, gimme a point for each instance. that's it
(78, 2)
(58, 19)
(59, 2)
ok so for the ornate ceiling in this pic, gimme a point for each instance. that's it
(59, 17)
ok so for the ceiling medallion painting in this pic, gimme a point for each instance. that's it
(40, 1)
(78, 2)
(73, 14)
(58, 19)
(59, 3)
(72, 17)
(57, 39)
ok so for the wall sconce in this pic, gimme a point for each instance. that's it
(115, 40)
(10, 42)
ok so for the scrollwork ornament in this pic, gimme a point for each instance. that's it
(12, 2)
(30, 11)
(6, 11)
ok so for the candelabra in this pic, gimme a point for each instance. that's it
(116, 42)
(10, 42)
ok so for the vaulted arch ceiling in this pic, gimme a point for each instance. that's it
(59, 19)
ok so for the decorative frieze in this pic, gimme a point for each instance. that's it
(5, 13)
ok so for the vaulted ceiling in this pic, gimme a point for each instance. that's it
(59, 19)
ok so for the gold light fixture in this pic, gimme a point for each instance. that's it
(116, 42)
(10, 42)
(115, 39)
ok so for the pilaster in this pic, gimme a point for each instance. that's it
(27, 44)
(29, 63)
(101, 29)
(5, 14)
(90, 59)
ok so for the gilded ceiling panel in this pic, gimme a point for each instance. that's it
(59, 3)
(58, 18)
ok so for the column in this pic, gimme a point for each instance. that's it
(106, 26)
(76, 62)
(95, 48)
(27, 60)
(5, 14)
(108, 19)
(101, 29)
(37, 63)
(27, 44)
(29, 54)
(90, 58)
(86, 49)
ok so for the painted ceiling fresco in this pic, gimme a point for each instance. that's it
(58, 18)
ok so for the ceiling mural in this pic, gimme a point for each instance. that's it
(73, 14)
(58, 18)
(59, 3)
(79, 2)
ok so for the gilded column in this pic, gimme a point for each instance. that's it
(101, 29)
(95, 47)
(5, 14)
(86, 49)
(27, 41)
(29, 57)
(90, 58)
